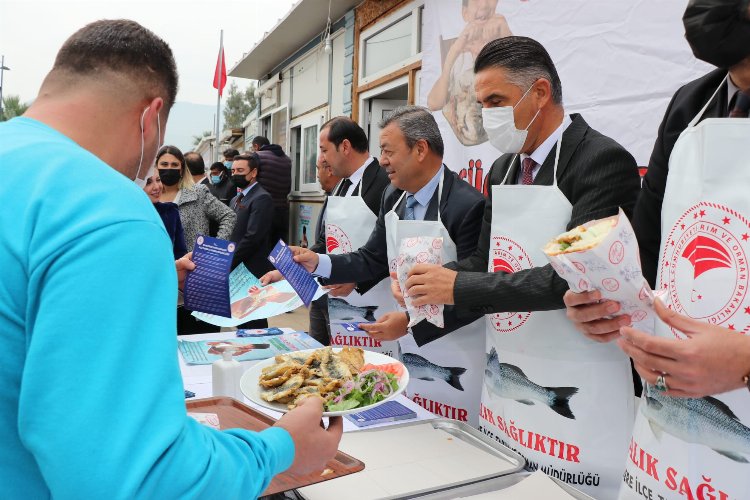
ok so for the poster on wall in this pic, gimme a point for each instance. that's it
(619, 62)
(305, 235)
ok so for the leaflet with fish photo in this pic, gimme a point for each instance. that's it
(250, 300)
(345, 320)
(670, 433)
(603, 255)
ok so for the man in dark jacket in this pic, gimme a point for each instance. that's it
(276, 178)
(254, 209)
(220, 183)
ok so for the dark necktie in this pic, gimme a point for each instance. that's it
(237, 200)
(344, 187)
(411, 202)
(527, 169)
(741, 105)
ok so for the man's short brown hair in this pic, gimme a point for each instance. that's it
(121, 46)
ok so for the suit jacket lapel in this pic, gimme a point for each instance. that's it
(367, 177)
(572, 136)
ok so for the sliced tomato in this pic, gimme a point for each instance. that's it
(396, 369)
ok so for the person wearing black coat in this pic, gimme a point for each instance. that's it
(276, 178)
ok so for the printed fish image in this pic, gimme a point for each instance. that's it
(340, 310)
(508, 381)
(705, 421)
(423, 369)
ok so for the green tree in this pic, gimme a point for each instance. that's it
(198, 138)
(238, 105)
(12, 107)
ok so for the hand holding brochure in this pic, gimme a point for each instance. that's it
(250, 300)
(207, 287)
(297, 276)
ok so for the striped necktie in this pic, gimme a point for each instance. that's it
(741, 105)
(411, 202)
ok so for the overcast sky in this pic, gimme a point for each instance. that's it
(31, 32)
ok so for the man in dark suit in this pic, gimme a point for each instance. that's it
(254, 209)
(320, 328)
(718, 33)
(412, 157)
(197, 167)
(595, 174)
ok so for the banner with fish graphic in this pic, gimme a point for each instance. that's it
(700, 448)
(551, 413)
(580, 36)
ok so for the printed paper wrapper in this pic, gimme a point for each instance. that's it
(419, 250)
(613, 267)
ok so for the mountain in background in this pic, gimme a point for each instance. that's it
(187, 120)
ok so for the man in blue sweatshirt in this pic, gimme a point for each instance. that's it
(91, 400)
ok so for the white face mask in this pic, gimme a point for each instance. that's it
(141, 181)
(500, 125)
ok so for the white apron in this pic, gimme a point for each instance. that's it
(446, 374)
(349, 222)
(561, 400)
(700, 448)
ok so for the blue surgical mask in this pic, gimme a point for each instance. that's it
(215, 179)
(228, 164)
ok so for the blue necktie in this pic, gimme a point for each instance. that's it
(411, 202)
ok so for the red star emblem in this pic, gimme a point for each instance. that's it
(520, 257)
(510, 247)
(510, 323)
(671, 242)
(695, 216)
(747, 310)
(682, 226)
(703, 213)
(700, 297)
(519, 316)
(731, 327)
(725, 220)
(745, 237)
(497, 243)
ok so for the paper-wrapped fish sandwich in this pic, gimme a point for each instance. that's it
(413, 251)
(603, 255)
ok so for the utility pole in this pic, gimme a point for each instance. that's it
(3, 68)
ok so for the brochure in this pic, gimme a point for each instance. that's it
(301, 280)
(205, 352)
(207, 287)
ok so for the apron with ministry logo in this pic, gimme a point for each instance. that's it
(445, 375)
(561, 400)
(349, 222)
(700, 448)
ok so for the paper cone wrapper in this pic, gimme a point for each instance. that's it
(613, 267)
(413, 251)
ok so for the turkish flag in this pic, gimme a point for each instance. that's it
(220, 74)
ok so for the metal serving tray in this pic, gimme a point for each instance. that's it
(455, 430)
(497, 484)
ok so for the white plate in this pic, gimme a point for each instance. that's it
(251, 388)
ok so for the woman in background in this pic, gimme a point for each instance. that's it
(169, 213)
(198, 207)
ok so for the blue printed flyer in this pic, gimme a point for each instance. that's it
(301, 281)
(207, 287)
(249, 300)
(205, 352)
